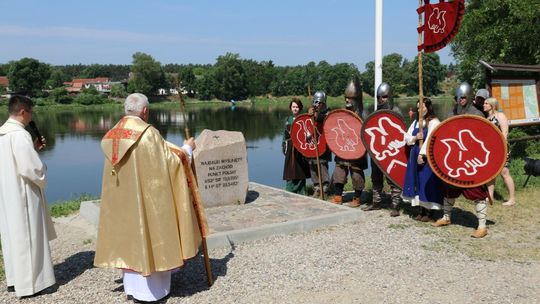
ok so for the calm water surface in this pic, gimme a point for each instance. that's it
(75, 161)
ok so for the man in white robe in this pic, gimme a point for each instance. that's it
(25, 224)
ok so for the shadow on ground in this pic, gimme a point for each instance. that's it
(71, 268)
(191, 279)
(251, 196)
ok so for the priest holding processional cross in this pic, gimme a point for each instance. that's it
(151, 219)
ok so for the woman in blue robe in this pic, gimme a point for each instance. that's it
(422, 187)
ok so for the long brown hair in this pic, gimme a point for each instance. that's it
(430, 115)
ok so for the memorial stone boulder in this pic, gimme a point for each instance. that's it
(221, 165)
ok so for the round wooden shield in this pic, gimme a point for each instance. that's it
(383, 136)
(466, 151)
(303, 136)
(342, 132)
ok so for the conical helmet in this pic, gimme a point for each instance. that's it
(354, 88)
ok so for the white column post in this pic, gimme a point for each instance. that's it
(378, 47)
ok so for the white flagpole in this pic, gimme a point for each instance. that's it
(378, 47)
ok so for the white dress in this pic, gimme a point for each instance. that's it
(25, 224)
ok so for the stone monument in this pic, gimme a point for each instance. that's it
(221, 165)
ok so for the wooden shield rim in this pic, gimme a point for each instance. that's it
(324, 146)
(373, 159)
(355, 116)
(431, 161)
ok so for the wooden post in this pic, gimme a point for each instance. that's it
(198, 212)
(420, 80)
(321, 192)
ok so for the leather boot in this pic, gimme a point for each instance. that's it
(479, 233)
(395, 211)
(338, 199)
(441, 222)
(355, 202)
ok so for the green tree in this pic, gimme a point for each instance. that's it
(187, 79)
(393, 73)
(433, 73)
(206, 85)
(258, 76)
(368, 78)
(57, 79)
(119, 91)
(4, 68)
(60, 95)
(28, 75)
(93, 71)
(500, 31)
(148, 76)
(230, 77)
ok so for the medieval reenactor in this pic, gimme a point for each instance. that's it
(384, 102)
(464, 102)
(480, 98)
(477, 194)
(319, 110)
(355, 167)
(296, 168)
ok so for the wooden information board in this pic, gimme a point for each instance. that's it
(518, 99)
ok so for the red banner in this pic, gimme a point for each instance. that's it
(441, 23)
(342, 132)
(466, 151)
(383, 136)
(302, 136)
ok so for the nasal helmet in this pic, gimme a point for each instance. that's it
(318, 98)
(384, 89)
(464, 89)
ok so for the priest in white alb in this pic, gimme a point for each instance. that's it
(25, 224)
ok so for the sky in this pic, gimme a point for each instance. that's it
(292, 32)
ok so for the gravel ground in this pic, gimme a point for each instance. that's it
(381, 260)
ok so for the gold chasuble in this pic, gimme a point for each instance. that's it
(148, 222)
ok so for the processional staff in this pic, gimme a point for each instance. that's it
(196, 202)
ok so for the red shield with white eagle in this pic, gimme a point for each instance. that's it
(342, 132)
(383, 136)
(441, 23)
(466, 151)
(304, 135)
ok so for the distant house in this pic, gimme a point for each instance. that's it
(4, 82)
(162, 91)
(102, 84)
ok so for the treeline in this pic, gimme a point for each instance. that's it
(230, 77)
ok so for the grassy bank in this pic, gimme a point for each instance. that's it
(69, 207)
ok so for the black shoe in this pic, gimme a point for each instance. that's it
(11, 288)
(32, 295)
(394, 213)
